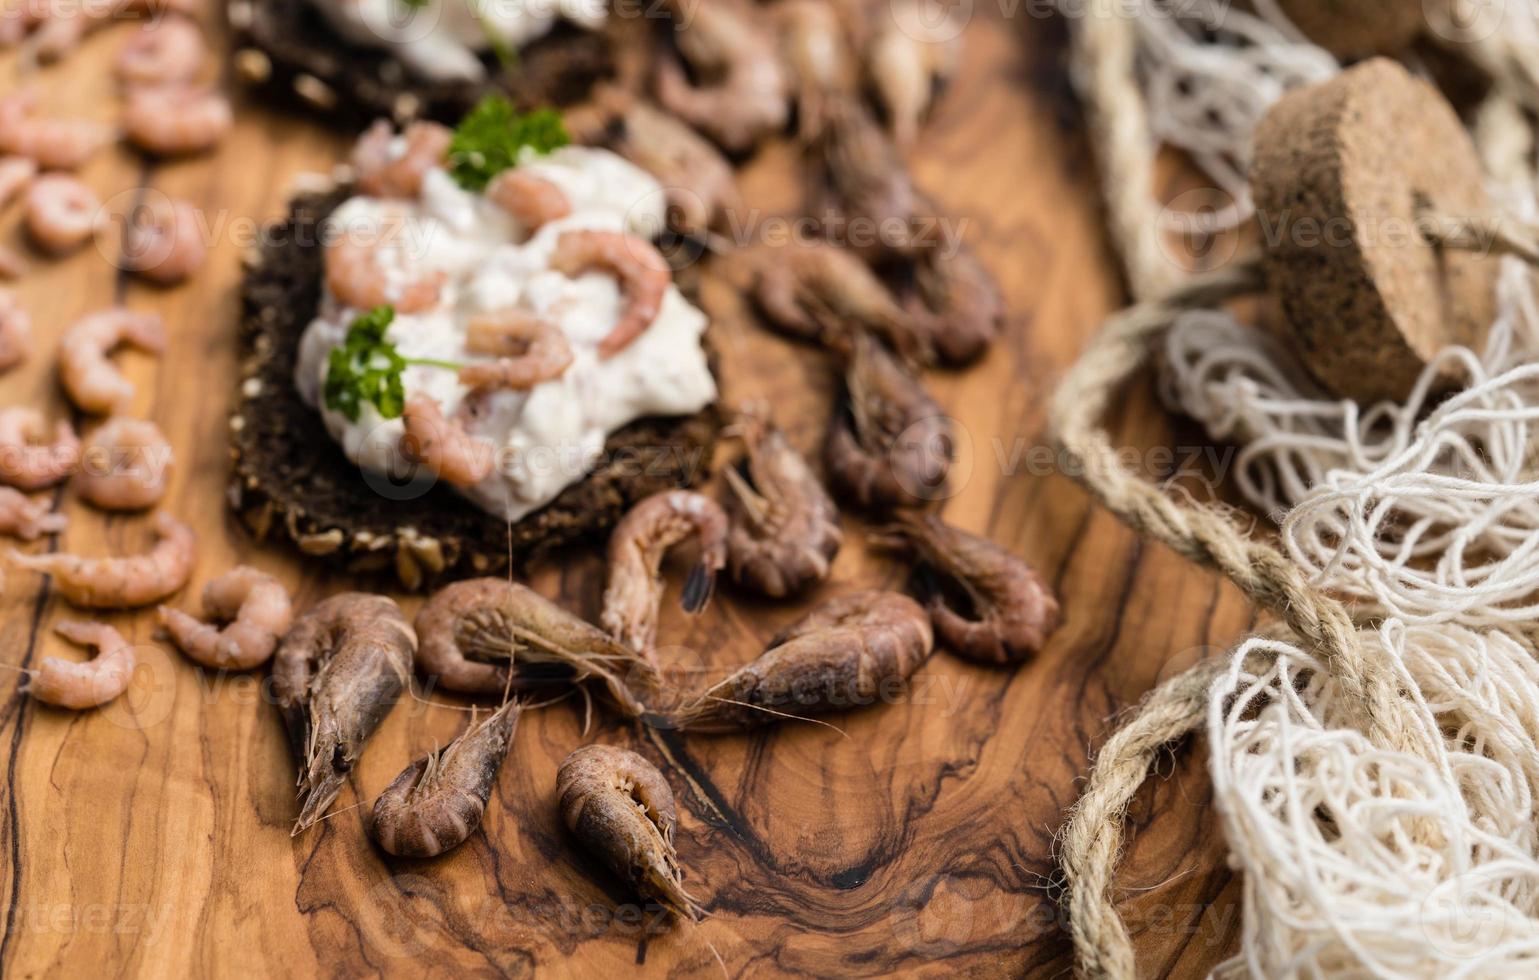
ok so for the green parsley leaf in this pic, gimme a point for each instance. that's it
(490, 138)
(367, 369)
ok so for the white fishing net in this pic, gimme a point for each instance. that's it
(1358, 858)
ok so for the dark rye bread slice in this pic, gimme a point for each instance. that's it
(285, 49)
(292, 481)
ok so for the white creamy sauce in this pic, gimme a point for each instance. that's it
(442, 39)
(550, 436)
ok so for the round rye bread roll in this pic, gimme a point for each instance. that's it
(1358, 28)
(1344, 175)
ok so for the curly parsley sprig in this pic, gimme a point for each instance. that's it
(367, 368)
(491, 136)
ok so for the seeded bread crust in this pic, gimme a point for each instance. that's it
(285, 50)
(291, 481)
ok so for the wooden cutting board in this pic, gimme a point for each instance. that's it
(153, 835)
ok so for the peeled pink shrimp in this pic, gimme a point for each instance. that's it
(176, 120)
(381, 172)
(531, 199)
(122, 583)
(356, 279)
(641, 269)
(26, 518)
(15, 331)
(53, 144)
(255, 605)
(15, 174)
(446, 449)
(75, 685)
(126, 465)
(529, 350)
(27, 461)
(164, 51)
(62, 213)
(163, 241)
(91, 380)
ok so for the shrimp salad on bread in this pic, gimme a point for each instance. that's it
(522, 316)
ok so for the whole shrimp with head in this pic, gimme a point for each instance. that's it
(784, 527)
(633, 599)
(746, 95)
(336, 675)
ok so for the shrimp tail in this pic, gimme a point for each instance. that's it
(699, 587)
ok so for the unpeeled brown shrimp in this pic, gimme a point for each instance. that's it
(636, 549)
(747, 100)
(27, 460)
(842, 655)
(1011, 611)
(642, 271)
(91, 380)
(490, 635)
(257, 612)
(164, 51)
(960, 303)
(78, 686)
(163, 241)
(336, 675)
(785, 528)
(15, 331)
(620, 807)
(445, 449)
(439, 800)
(26, 518)
(126, 465)
(532, 200)
(176, 120)
(122, 583)
(63, 213)
(53, 144)
(529, 350)
(816, 47)
(905, 67)
(382, 169)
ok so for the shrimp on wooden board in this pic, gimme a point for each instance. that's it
(15, 174)
(12, 265)
(256, 609)
(165, 51)
(62, 213)
(163, 241)
(337, 673)
(892, 445)
(439, 800)
(1007, 611)
(357, 277)
(637, 546)
(79, 686)
(532, 200)
(490, 636)
(642, 271)
(15, 331)
(822, 291)
(868, 181)
(529, 349)
(176, 120)
(384, 168)
(842, 655)
(784, 526)
(125, 465)
(89, 377)
(26, 518)
(908, 58)
(959, 301)
(28, 461)
(745, 96)
(620, 808)
(53, 144)
(442, 446)
(816, 46)
(123, 583)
